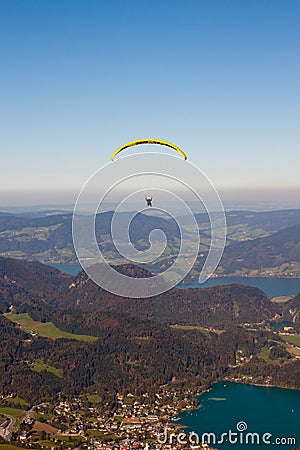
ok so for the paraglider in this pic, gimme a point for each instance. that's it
(149, 201)
(149, 141)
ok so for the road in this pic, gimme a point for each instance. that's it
(7, 431)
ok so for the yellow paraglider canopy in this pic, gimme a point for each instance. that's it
(149, 141)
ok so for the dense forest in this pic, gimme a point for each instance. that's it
(141, 343)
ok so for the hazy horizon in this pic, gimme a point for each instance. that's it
(253, 199)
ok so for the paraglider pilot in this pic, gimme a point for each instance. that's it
(149, 201)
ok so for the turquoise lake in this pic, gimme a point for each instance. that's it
(263, 409)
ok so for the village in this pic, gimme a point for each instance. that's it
(135, 423)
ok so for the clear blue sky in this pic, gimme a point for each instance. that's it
(79, 78)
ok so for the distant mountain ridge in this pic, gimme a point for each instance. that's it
(281, 249)
(270, 221)
(258, 244)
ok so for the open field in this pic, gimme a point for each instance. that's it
(294, 351)
(14, 412)
(101, 435)
(69, 441)
(92, 419)
(70, 438)
(265, 355)
(94, 398)
(39, 367)
(18, 401)
(39, 426)
(281, 299)
(292, 338)
(11, 447)
(39, 416)
(47, 329)
(203, 330)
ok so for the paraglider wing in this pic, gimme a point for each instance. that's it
(149, 141)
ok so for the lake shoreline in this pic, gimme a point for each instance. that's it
(271, 286)
(194, 280)
(248, 403)
(259, 385)
(206, 391)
